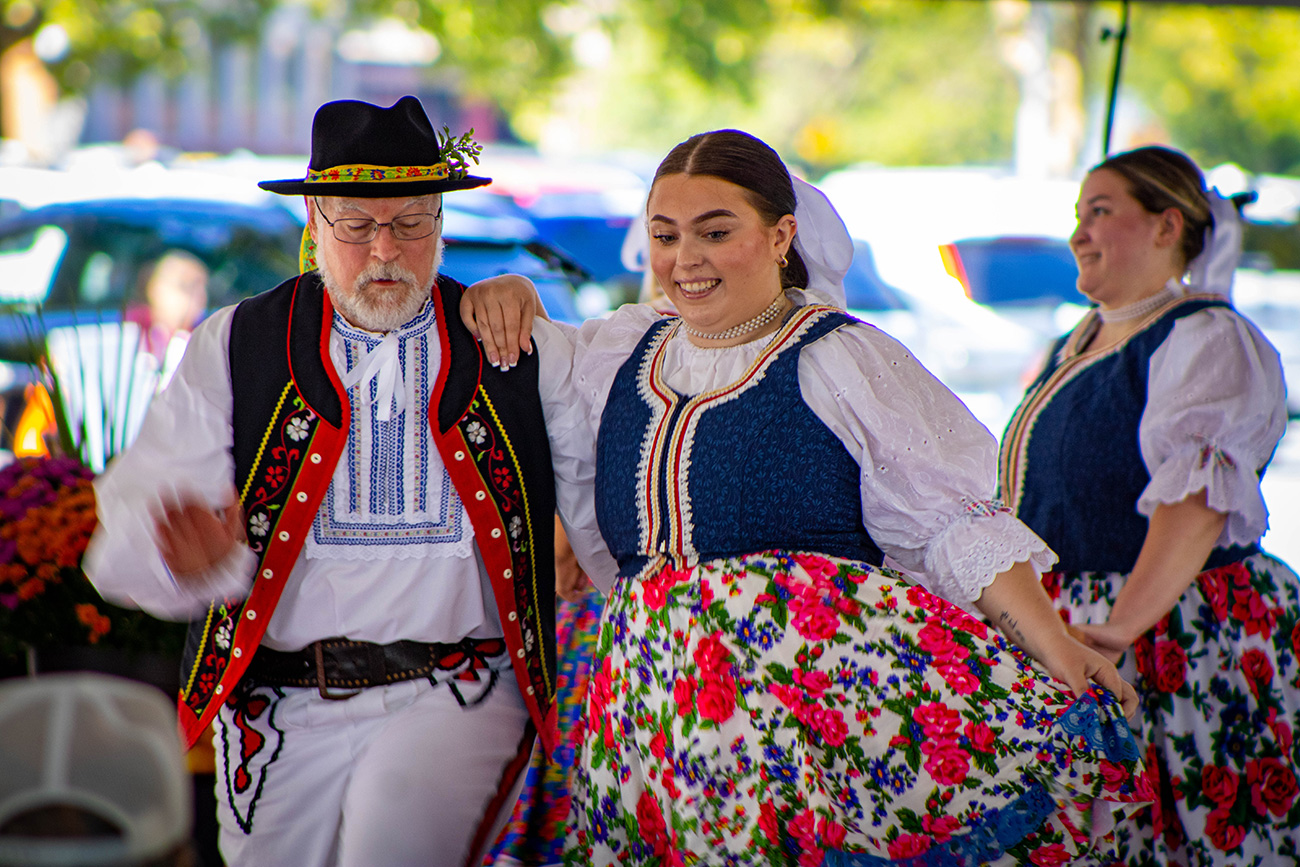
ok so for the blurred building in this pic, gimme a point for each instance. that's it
(261, 97)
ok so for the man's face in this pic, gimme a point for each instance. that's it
(381, 284)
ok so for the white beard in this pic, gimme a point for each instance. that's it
(378, 311)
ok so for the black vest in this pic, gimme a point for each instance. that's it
(289, 429)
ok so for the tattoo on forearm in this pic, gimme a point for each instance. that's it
(1011, 627)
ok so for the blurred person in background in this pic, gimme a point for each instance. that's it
(174, 297)
(354, 509)
(766, 692)
(91, 774)
(1137, 455)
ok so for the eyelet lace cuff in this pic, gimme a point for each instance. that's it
(1230, 487)
(970, 552)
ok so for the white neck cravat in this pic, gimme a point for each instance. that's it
(383, 365)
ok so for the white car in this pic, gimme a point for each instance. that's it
(1271, 299)
(983, 357)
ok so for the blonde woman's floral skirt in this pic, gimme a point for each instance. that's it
(788, 708)
(1218, 679)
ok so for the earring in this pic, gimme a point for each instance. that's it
(783, 261)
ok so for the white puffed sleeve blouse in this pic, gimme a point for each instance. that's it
(1216, 409)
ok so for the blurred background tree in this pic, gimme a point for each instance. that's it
(121, 38)
(1224, 82)
(828, 82)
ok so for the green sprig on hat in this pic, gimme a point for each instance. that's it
(457, 152)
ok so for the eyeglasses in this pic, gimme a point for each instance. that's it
(363, 230)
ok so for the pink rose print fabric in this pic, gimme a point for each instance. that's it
(789, 708)
(1219, 683)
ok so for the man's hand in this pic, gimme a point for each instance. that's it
(193, 538)
(499, 312)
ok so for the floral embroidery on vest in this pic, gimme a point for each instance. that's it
(498, 464)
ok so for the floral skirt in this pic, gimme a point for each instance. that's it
(1219, 683)
(787, 708)
(535, 833)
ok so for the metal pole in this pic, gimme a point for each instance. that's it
(1119, 37)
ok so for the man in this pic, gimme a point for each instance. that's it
(355, 508)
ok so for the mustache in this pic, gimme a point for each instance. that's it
(384, 271)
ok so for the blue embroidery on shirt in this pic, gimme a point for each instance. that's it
(389, 475)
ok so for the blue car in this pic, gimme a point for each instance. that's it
(81, 262)
(85, 262)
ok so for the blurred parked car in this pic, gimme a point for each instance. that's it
(580, 207)
(82, 263)
(78, 262)
(1028, 279)
(1014, 270)
(978, 354)
(1271, 299)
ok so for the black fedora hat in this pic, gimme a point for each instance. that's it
(364, 151)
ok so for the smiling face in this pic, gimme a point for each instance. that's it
(1124, 252)
(382, 284)
(713, 256)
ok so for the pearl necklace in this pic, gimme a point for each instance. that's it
(1137, 309)
(768, 314)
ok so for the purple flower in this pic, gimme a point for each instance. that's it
(8, 548)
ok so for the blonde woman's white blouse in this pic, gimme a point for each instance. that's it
(1215, 411)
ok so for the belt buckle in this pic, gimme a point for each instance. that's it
(320, 677)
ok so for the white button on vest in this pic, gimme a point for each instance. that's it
(237, 652)
(519, 653)
(266, 573)
(315, 459)
(220, 689)
(302, 496)
(512, 617)
(480, 495)
(284, 536)
(496, 532)
(252, 615)
(460, 456)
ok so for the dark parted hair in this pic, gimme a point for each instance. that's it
(1159, 178)
(750, 164)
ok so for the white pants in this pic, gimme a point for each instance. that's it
(397, 775)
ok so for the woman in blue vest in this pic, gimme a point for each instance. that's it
(764, 691)
(1137, 455)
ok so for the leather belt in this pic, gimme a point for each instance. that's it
(342, 664)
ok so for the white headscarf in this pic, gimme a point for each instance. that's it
(1213, 269)
(821, 239)
(823, 243)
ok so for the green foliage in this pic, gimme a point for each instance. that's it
(826, 83)
(500, 49)
(122, 38)
(1222, 81)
